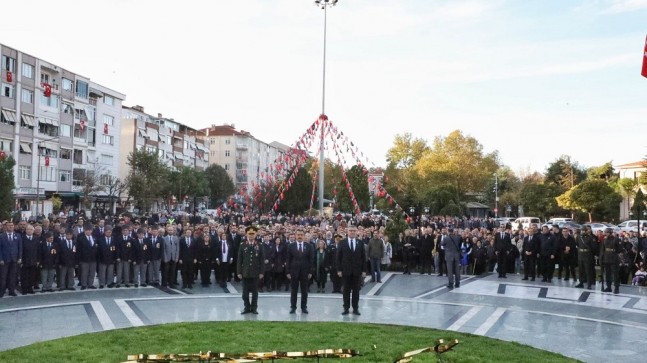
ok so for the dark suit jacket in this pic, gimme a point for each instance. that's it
(217, 251)
(299, 264)
(85, 251)
(108, 253)
(48, 256)
(67, 256)
(30, 251)
(157, 247)
(10, 251)
(502, 244)
(142, 250)
(349, 262)
(188, 253)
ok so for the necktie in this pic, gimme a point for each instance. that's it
(29, 238)
(108, 241)
(101, 230)
(353, 245)
(91, 241)
(188, 242)
(502, 235)
(49, 246)
(69, 244)
(301, 247)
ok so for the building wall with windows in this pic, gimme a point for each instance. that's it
(632, 171)
(51, 123)
(245, 158)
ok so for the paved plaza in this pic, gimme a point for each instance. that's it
(585, 324)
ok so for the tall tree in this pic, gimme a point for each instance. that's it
(564, 173)
(406, 151)
(594, 197)
(147, 178)
(90, 183)
(538, 199)
(219, 184)
(6, 191)
(296, 199)
(458, 160)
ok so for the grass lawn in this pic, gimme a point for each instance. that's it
(240, 337)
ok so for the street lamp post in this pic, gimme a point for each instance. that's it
(496, 195)
(36, 142)
(324, 4)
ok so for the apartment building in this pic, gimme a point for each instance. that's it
(61, 128)
(245, 158)
(177, 145)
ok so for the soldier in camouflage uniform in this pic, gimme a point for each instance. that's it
(250, 269)
(610, 248)
(587, 247)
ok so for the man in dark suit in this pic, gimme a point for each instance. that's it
(224, 256)
(10, 258)
(29, 266)
(66, 261)
(156, 244)
(126, 247)
(426, 250)
(88, 252)
(142, 258)
(529, 253)
(502, 244)
(351, 257)
(108, 255)
(47, 259)
(188, 258)
(234, 241)
(299, 266)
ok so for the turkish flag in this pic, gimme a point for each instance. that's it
(644, 72)
(2, 155)
(105, 128)
(9, 76)
(48, 90)
(82, 123)
(46, 160)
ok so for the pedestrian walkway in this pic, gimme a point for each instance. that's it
(585, 324)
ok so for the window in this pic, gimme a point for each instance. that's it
(27, 70)
(6, 145)
(44, 78)
(65, 175)
(25, 172)
(51, 101)
(107, 159)
(8, 63)
(227, 141)
(91, 112)
(108, 100)
(68, 108)
(27, 96)
(82, 89)
(65, 154)
(48, 127)
(108, 120)
(27, 121)
(108, 139)
(7, 90)
(67, 84)
(46, 151)
(77, 156)
(47, 173)
(66, 130)
(105, 179)
(92, 136)
(80, 133)
(186, 145)
(226, 166)
(8, 117)
(227, 153)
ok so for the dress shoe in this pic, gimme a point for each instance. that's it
(450, 286)
(127, 285)
(293, 310)
(544, 280)
(144, 285)
(12, 294)
(590, 287)
(616, 290)
(117, 285)
(345, 312)
(525, 278)
(83, 287)
(457, 285)
(580, 285)
(608, 289)
(304, 311)
(255, 312)
(356, 312)
(101, 286)
(136, 285)
(380, 281)
(71, 289)
(245, 311)
(92, 287)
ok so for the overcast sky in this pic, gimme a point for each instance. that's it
(533, 79)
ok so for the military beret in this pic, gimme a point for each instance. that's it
(251, 228)
(338, 236)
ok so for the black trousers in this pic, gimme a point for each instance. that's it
(250, 286)
(8, 277)
(188, 273)
(27, 278)
(352, 284)
(205, 272)
(222, 273)
(297, 281)
(612, 274)
(426, 261)
(529, 264)
(547, 267)
(569, 262)
(169, 277)
(501, 259)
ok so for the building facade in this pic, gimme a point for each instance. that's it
(61, 128)
(246, 159)
(176, 145)
(632, 171)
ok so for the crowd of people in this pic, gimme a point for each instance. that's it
(297, 252)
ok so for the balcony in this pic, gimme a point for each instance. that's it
(242, 146)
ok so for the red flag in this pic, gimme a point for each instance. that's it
(2, 155)
(82, 123)
(46, 160)
(644, 72)
(9, 76)
(105, 128)
(48, 90)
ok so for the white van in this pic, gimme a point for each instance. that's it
(525, 222)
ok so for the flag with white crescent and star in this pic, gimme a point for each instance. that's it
(644, 71)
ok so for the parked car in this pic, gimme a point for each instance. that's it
(502, 221)
(632, 225)
(525, 222)
(559, 220)
(597, 227)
